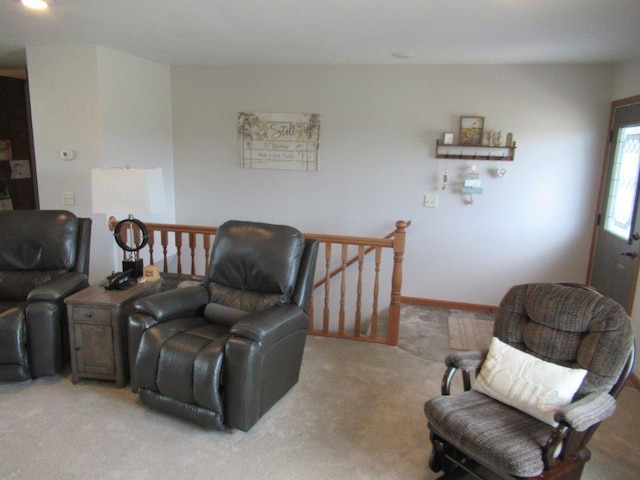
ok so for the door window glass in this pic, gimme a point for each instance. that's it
(623, 191)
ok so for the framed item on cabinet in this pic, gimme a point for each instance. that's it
(471, 130)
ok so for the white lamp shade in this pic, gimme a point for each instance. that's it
(127, 190)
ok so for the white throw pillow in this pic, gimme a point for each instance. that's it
(527, 383)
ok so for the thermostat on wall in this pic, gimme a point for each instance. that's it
(66, 154)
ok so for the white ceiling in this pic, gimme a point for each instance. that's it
(295, 32)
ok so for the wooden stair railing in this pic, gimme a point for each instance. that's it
(395, 241)
(166, 249)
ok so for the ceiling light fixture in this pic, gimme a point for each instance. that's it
(35, 4)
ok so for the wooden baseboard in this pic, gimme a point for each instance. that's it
(428, 302)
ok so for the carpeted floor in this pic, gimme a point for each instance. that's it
(356, 413)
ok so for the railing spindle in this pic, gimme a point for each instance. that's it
(327, 287)
(192, 246)
(164, 238)
(150, 243)
(343, 290)
(376, 292)
(178, 238)
(358, 320)
(206, 240)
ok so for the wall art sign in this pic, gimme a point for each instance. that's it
(284, 141)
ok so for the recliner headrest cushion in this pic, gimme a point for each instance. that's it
(38, 240)
(258, 257)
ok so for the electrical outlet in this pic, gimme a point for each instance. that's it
(430, 201)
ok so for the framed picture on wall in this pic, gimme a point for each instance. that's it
(471, 130)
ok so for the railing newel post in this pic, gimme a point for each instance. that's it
(399, 239)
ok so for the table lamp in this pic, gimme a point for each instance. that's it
(128, 191)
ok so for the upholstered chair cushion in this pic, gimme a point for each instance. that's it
(223, 315)
(37, 240)
(244, 300)
(249, 257)
(568, 326)
(500, 435)
(182, 360)
(14, 360)
(36, 247)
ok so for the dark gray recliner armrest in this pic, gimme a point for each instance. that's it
(56, 289)
(262, 362)
(172, 303)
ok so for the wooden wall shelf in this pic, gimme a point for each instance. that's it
(475, 152)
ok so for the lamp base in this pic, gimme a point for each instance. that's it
(134, 265)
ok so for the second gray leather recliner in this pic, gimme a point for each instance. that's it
(222, 353)
(44, 257)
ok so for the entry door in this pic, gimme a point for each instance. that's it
(614, 265)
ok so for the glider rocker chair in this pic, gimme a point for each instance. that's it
(223, 352)
(44, 257)
(559, 357)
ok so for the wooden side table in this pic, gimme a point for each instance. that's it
(98, 320)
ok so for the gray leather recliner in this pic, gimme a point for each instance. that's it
(44, 257)
(223, 352)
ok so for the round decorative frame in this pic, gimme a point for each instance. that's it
(143, 230)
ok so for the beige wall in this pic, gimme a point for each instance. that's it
(376, 161)
(111, 109)
(627, 79)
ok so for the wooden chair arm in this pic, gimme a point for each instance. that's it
(466, 362)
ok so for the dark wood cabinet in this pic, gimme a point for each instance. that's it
(18, 184)
(98, 320)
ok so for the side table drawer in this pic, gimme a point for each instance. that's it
(92, 315)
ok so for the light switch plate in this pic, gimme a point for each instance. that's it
(68, 198)
(430, 201)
